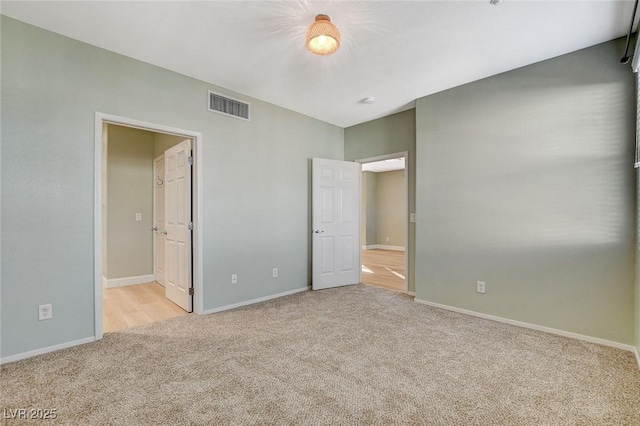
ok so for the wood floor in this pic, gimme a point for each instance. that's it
(383, 268)
(133, 305)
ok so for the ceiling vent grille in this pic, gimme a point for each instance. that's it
(228, 106)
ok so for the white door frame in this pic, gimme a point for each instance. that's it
(100, 120)
(404, 154)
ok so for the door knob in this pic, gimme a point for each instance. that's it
(318, 231)
(155, 228)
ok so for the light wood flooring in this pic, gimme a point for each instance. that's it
(383, 268)
(133, 305)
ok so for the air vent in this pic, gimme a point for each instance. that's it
(228, 106)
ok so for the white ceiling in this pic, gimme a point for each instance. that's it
(384, 165)
(396, 51)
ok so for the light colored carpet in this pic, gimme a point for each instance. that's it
(353, 355)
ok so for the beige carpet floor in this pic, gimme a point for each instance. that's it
(354, 355)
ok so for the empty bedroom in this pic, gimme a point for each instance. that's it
(319, 212)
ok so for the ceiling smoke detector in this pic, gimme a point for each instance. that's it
(369, 100)
(494, 2)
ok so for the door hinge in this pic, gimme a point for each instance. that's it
(190, 160)
(191, 291)
(190, 226)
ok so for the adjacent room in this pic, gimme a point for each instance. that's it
(384, 223)
(134, 228)
(320, 212)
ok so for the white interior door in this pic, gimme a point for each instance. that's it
(336, 223)
(178, 225)
(158, 220)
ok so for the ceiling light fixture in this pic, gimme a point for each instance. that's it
(323, 38)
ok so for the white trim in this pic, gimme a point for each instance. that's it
(104, 282)
(529, 325)
(411, 293)
(198, 263)
(404, 154)
(383, 247)
(635, 63)
(637, 354)
(97, 230)
(29, 354)
(258, 300)
(124, 281)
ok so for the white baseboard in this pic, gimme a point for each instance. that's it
(252, 301)
(120, 282)
(104, 282)
(531, 326)
(411, 293)
(635, 350)
(48, 349)
(382, 247)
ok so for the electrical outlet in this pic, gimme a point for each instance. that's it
(412, 217)
(480, 287)
(234, 278)
(387, 239)
(275, 272)
(138, 217)
(45, 312)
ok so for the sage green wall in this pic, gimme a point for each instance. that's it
(527, 181)
(370, 211)
(388, 135)
(163, 142)
(390, 201)
(255, 181)
(130, 157)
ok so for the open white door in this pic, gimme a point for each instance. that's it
(158, 220)
(177, 215)
(336, 223)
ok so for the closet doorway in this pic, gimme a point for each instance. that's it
(149, 245)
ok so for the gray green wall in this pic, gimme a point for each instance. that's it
(390, 201)
(527, 181)
(388, 135)
(163, 142)
(255, 181)
(130, 169)
(130, 157)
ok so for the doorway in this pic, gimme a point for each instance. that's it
(385, 221)
(121, 266)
